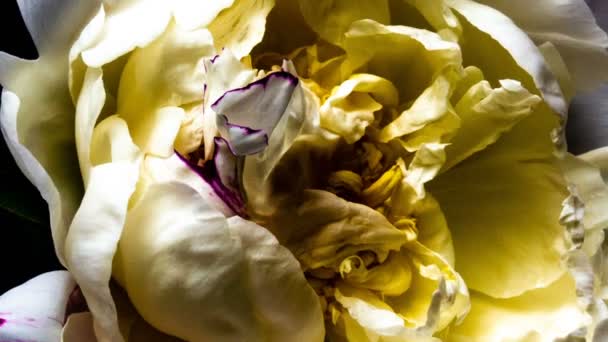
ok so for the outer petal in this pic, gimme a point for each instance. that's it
(571, 27)
(500, 28)
(539, 315)
(197, 275)
(37, 114)
(46, 21)
(35, 310)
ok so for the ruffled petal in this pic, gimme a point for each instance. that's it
(571, 27)
(487, 113)
(408, 57)
(517, 44)
(544, 314)
(35, 310)
(350, 107)
(194, 274)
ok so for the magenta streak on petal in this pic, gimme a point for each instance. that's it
(209, 174)
(261, 82)
(2, 321)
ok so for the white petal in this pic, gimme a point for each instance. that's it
(518, 44)
(54, 23)
(196, 275)
(571, 27)
(35, 310)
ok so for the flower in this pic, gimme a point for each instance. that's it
(361, 171)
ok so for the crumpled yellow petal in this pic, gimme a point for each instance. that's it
(350, 107)
(544, 314)
(408, 57)
(485, 114)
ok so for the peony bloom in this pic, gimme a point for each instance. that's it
(253, 170)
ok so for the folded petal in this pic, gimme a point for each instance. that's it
(35, 310)
(196, 275)
(543, 314)
(571, 27)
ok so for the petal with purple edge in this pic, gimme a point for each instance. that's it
(242, 140)
(260, 104)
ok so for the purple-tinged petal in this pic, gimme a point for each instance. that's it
(260, 104)
(212, 174)
(242, 140)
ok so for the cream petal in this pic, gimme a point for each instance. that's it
(35, 310)
(194, 274)
(571, 27)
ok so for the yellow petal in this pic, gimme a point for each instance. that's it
(539, 315)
